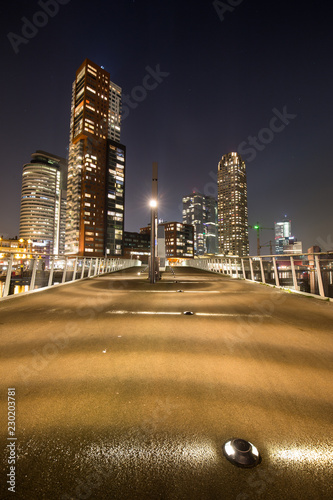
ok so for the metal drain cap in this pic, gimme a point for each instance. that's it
(241, 453)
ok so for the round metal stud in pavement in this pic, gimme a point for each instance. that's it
(241, 453)
(188, 313)
(180, 290)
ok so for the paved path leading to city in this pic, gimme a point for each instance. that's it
(119, 395)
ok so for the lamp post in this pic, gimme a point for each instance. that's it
(153, 205)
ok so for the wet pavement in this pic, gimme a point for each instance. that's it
(120, 395)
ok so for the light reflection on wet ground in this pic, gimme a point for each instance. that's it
(138, 406)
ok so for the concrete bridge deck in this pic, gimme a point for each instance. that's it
(119, 395)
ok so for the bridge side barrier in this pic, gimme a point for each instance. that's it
(28, 273)
(308, 273)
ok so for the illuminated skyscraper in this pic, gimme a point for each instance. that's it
(284, 241)
(96, 166)
(43, 202)
(201, 211)
(283, 228)
(232, 205)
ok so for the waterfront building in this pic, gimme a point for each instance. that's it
(96, 167)
(43, 202)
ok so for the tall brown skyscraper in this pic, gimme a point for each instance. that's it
(232, 206)
(96, 166)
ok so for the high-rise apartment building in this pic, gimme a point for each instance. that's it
(210, 226)
(96, 166)
(232, 205)
(201, 211)
(43, 202)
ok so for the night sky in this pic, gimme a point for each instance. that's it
(223, 77)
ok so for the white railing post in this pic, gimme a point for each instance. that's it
(33, 275)
(292, 264)
(243, 268)
(276, 274)
(8, 276)
(51, 272)
(251, 268)
(236, 266)
(83, 268)
(74, 270)
(262, 271)
(65, 270)
(319, 277)
(90, 267)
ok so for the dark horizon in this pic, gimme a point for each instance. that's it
(256, 80)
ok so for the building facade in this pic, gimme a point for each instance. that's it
(232, 206)
(177, 238)
(137, 246)
(96, 166)
(20, 248)
(284, 241)
(43, 202)
(201, 211)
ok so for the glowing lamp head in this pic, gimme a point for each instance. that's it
(153, 203)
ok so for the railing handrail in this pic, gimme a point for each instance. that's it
(271, 272)
(82, 268)
(257, 256)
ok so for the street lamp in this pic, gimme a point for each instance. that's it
(153, 205)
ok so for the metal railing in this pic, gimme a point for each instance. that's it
(19, 274)
(309, 273)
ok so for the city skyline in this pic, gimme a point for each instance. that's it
(196, 86)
